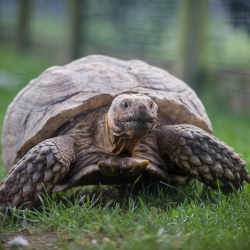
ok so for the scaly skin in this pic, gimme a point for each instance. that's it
(203, 156)
(39, 170)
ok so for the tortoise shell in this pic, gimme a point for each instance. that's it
(63, 92)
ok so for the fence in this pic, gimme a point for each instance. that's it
(202, 42)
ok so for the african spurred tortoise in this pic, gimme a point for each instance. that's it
(104, 120)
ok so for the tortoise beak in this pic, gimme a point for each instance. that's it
(141, 126)
(135, 127)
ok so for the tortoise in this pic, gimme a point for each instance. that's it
(103, 120)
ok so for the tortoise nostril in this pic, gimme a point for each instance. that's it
(142, 107)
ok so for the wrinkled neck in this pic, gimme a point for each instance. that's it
(124, 145)
(121, 144)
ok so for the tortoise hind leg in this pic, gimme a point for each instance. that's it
(203, 156)
(40, 169)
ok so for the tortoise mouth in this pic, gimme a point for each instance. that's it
(139, 124)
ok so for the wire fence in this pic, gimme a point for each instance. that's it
(148, 30)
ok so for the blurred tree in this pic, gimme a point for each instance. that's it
(23, 19)
(75, 34)
(1, 21)
(193, 28)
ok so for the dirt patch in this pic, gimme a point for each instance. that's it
(37, 240)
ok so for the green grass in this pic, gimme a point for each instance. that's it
(164, 219)
(159, 217)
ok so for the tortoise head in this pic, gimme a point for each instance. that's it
(130, 117)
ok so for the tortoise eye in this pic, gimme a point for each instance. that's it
(125, 105)
(151, 105)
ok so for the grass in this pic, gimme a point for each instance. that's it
(159, 217)
(166, 218)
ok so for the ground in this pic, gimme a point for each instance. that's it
(36, 239)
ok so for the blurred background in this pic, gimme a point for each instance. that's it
(205, 43)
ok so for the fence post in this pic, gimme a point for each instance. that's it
(193, 29)
(75, 36)
(23, 19)
(1, 22)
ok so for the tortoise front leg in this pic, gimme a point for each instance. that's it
(39, 170)
(203, 156)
